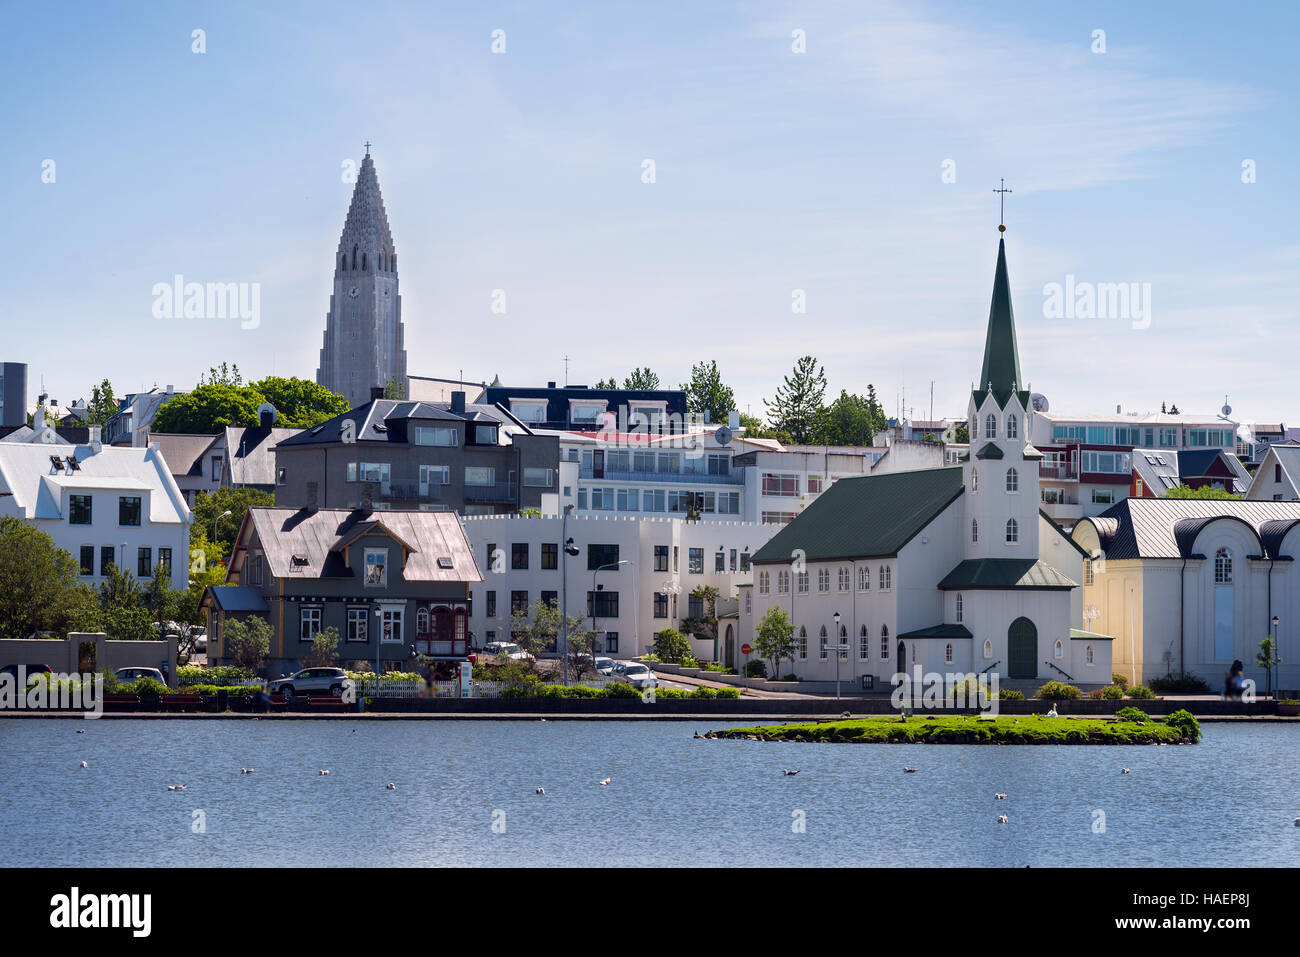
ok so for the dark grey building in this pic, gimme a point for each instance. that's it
(579, 408)
(13, 394)
(396, 454)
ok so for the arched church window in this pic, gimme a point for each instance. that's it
(960, 607)
(988, 648)
(1013, 531)
(884, 642)
(1013, 480)
(947, 653)
(354, 256)
(974, 530)
(1012, 426)
(1089, 652)
(864, 643)
(803, 641)
(821, 643)
(1058, 650)
(990, 426)
(974, 427)
(974, 480)
(1223, 566)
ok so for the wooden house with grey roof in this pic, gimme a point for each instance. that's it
(393, 584)
(950, 570)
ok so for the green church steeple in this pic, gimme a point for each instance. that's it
(1000, 373)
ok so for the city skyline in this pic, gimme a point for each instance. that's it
(775, 171)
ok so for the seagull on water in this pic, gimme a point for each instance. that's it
(1125, 771)
(540, 791)
(390, 786)
(1297, 822)
(175, 787)
(605, 782)
(1000, 796)
(81, 732)
(323, 772)
(910, 770)
(788, 773)
(1002, 819)
(84, 764)
(247, 770)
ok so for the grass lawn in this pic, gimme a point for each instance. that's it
(967, 729)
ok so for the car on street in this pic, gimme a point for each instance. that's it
(312, 681)
(133, 674)
(604, 666)
(32, 672)
(638, 676)
(507, 649)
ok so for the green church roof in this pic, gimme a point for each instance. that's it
(1000, 373)
(1004, 573)
(990, 451)
(865, 517)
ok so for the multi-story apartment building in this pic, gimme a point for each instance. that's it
(105, 506)
(393, 454)
(579, 408)
(1087, 463)
(130, 425)
(632, 576)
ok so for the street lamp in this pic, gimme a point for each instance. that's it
(217, 519)
(593, 599)
(836, 616)
(1273, 656)
(569, 550)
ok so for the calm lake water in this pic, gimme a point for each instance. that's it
(673, 801)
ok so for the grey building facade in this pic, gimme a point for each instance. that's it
(364, 342)
(396, 454)
(13, 394)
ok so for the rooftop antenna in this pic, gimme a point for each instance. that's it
(566, 370)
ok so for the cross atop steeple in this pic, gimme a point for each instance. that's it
(1002, 209)
(367, 145)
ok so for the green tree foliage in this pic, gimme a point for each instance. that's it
(226, 374)
(852, 420)
(1205, 491)
(102, 405)
(1267, 658)
(324, 649)
(706, 394)
(37, 581)
(123, 609)
(756, 428)
(248, 641)
(671, 645)
(641, 379)
(394, 388)
(302, 404)
(610, 383)
(209, 505)
(797, 407)
(208, 409)
(774, 637)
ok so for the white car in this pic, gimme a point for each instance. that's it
(604, 666)
(507, 649)
(638, 676)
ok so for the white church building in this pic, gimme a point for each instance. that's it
(954, 569)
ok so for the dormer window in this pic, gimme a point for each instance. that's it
(485, 435)
(990, 426)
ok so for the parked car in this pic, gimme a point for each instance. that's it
(201, 643)
(604, 666)
(312, 681)
(638, 676)
(33, 671)
(133, 674)
(507, 649)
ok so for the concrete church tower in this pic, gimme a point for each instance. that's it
(364, 342)
(1001, 472)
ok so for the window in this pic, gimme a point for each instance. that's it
(1013, 480)
(629, 500)
(281, 476)
(490, 600)
(107, 558)
(947, 651)
(435, 475)
(1104, 496)
(884, 643)
(661, 558)
(1277, 473)
(844, 579)
(974, 531)
(864, 644)
(422, 621)
(749, 602)
(661, 605)
(974, 480)
(519, 602)
(611, 642)
(485, 435)
(550, 555)
(764, 582)
(974, 427)
(777, 518)
(358, 624)
(814, 484)
(391, 624)
(1087, 571)
(492, 558)
(216, 468)
(695, 556)
(1013, 531)
(744, 560)
(539, 478)
(823, 580)
(480, 475)
(844, 645)
(1223, 567)
(720, 561)
(87, 559)
(79, 511)
(694, 607)
(886, 577)
(1012, 432)
(308, 623)
(803, 642)
(519, 555)
(960, 607)
(801, 582)
(376, 568)
(991, 426)
(604, 604)
(429, 436)
(864, 578)
(1058, 651)
(783, 582)
(551, 598)
(1088, 654)
(781, 483)
(144, 563)
(821, 644)
(988, 649)
(601, 555)
(165, 558)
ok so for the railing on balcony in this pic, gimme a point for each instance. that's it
(636, 475)
(500, 492)
(1062, 471)
(422, 490)
(455, 647)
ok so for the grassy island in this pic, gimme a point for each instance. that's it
(1179, 728)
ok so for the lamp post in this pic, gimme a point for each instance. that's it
(217, 519)
(568, 548)
(1273, 657)
(836, 616)
(594, 573)
(379, 638)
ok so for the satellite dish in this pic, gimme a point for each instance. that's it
(723, 435)
(1226, 410)
(1039, 402)
(266, 409)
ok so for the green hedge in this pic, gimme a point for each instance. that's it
(1179, 684)
(1059, 691)
(1141, 691)
(216, 675)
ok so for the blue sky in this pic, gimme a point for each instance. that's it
(775, 171)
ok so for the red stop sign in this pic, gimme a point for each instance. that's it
(745, 648)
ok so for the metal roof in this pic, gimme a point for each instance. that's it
(1003, 573)
(249, 450)
(184, 453)
(1167, 527)
(235, 598)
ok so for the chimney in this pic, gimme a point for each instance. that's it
(550, 385)
(171, 390)
(458, 402)
(1117, 408)
(266, 416)
(376, 392)
(95, 442)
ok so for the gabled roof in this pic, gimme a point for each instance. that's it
(1004, 573)
(939, 631)
(865, 516)
(28, 474)
(184, 453)
(1167, 527)
(234, 598)
(249, 452)
(384, 421)
(315, 536)
(1287, 456)
(989, 451)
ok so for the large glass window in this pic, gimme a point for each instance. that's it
(435, 436)
(79, 510)
(358, 624)
(599, 555)
(308, 623)
(376, 568)
(480, 475)
(783, 483)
